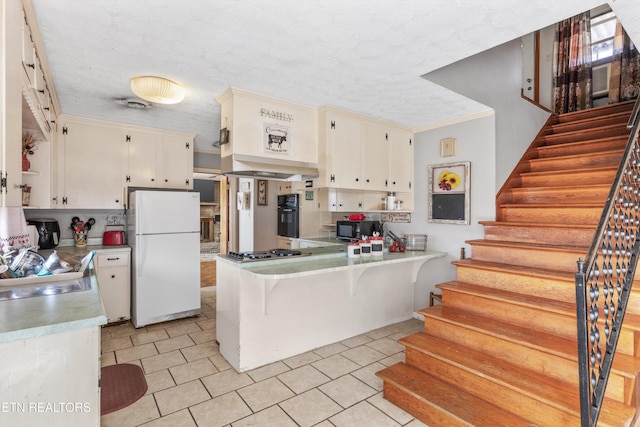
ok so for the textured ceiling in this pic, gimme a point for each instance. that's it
(366, 56)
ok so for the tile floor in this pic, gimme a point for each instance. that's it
(191, 384)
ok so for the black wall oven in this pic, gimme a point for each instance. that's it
(288, 216)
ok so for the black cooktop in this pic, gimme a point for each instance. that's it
(262, 255)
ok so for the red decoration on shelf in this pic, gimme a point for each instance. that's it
(26, 164)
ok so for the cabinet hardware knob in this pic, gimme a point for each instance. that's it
(113, 276)
(153, 179)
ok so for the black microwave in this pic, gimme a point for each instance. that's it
(354, 230)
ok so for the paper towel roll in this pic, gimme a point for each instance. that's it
(34, 237)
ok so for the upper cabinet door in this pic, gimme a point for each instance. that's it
(175, 159)
(142, 158)
(91, 159)
(342, 151)
(400, 161)
(375, 157)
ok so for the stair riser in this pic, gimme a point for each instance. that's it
(568, 215)
(578, 178)
(537, 257)
(562, 290)
(424, 411)
(518, 402)
(586, 134)
(535, 359)
(559, 289)
(576, 162)
(560, 324)
(582, 125)
(597, 194)
(592, 113)
(555, 236)
(605, 144)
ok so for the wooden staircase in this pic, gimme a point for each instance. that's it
(501, 350)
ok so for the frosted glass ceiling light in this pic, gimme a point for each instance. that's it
(157, 89)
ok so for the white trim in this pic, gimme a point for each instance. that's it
(456, 120)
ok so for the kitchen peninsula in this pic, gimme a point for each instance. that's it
(271, 310)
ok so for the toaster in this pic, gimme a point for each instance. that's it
(112, 238)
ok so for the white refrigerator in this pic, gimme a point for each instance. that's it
(163, 230)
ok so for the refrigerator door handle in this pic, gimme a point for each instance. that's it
(140, 256)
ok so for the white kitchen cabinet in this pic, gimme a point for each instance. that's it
(400, 170)
(89, 157)
(285, 187)
(113, 273)
(158, 159)
(338, 200)
(374, 152)
(339, 150)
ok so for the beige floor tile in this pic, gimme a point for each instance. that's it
(347, 390)
(108, 359)
(376, 334)
(147, 337)
(357, 340)
(220, 411)
(387, 346)
(162, 361)
(416, 423)
(273, 416)
(192, 370)
(310, 408)
(140, 412)
(330, 349)
(301, 359)
(368, 376)
(177, 419)
(183, 329)
(392, 360)
(200, 351)
(203, 336)
(362, 414)
(121, 330)
(113, 344)
(335, 366)
(363, 355)
(304, 378)
(268, 371)
(207, 324)
(160, 380)
(226, 381)
(325, 423)
(136, 353)
(390, 409)
(220, 362)
(181, 397)
(264, 394)
(175, 343)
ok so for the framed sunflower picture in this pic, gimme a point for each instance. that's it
(449, 193)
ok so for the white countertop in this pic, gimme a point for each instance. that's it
(326, 259)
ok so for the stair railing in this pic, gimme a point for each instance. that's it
(605, 277)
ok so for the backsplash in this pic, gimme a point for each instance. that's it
(102, 217)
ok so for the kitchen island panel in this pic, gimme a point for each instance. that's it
(263, 318)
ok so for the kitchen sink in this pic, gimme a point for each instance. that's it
(43, 286)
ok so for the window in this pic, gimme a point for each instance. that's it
(603, 29)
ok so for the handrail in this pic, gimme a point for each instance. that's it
(606, 275)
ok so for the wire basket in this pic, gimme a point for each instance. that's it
(416, 242)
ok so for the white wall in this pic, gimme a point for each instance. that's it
(475, 142)
(266, 220)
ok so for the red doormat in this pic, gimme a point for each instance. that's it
(122, 385)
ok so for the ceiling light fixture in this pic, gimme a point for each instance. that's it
(157, 89)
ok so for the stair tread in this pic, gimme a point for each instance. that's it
(623, 364)
(552, 205)
(540, 303)
(563, 188)
(570, 157)
(526, 245)
(529, 271)
(536, 224)
(541, 387)
(465, 406)
(571, 171)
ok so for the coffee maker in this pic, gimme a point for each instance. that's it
(48, 232)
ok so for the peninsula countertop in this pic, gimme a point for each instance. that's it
(327, 259)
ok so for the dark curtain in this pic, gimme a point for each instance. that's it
(625, 68)
(572, 64)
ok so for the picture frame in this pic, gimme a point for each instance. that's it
(224, 136)
(450, 193)
(308, 195)
(263, 192)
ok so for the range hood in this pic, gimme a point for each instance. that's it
(247, 166)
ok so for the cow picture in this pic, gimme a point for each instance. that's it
(276, 139)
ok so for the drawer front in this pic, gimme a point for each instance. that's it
(112, 259)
